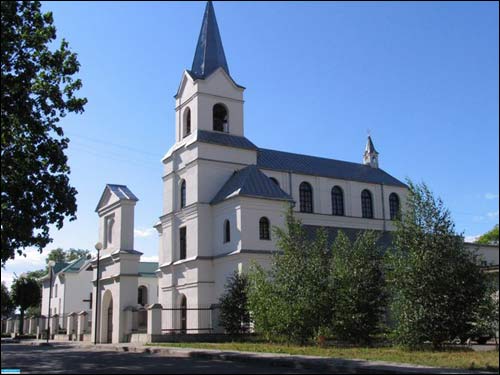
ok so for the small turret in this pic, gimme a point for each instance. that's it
(370, 157)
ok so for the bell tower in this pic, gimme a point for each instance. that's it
(208, 98)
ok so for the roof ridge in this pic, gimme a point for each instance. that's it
(313, 156)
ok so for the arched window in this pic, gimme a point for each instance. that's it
(142, 295)
(394, 206)
(227, 231)
(183, 314)
(183, 193)
(220, 123)
(264, 233)
(337, 201)
(306, 197)
(182, 243)
(366, 204)
(187, 122)
(274, 180)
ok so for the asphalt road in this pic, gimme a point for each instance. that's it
(66, 359)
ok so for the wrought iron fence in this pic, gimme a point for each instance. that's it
(190, 319)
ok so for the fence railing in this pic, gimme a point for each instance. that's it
(190, 319)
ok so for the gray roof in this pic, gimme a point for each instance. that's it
(225, 139)
(121, 191)
(384, 241)
(313, 165)
(250, 182)
(209, 53)
(75, 265)
(148, 268)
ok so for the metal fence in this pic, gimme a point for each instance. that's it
(190, 319)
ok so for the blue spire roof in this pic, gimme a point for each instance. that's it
(209, 53)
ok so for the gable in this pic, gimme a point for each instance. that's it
(113, 193)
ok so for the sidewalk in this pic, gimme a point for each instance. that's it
(321, 364)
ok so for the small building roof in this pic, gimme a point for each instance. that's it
(148, 268)
(250, 182)
(75, 266)
(122, 192)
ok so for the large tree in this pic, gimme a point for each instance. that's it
(38, 89)
(436, 281)
(26, 293)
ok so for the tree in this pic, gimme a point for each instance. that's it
(26, 293)
(7, 304)
(57, 255)
(234, 314)
(358, 287)
(60, 255)
(74, 254)
(489, 238)
(436, 281)
(38, 89)
(292, 300)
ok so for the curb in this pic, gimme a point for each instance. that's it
(336, 365)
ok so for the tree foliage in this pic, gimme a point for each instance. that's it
(60, 255)
(7, 305)
(234, 314)
(490, 237)
(38, 89)
(358, 287)
(26, 293)
(292, 299)
(436, 282)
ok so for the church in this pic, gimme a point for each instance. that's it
(222, 194)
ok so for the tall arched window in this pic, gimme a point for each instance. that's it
(264, 233)
(183, 193)
(337, 201)
(394, 206)
(142, 295)
(220, 122)
(366, 204)
(227, 231)
(182, 243)
(306, 197)
(274, 180)
(187, 122)
(183, 312)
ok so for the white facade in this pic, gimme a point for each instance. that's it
(71, 289)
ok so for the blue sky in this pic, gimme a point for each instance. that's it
(423, 77)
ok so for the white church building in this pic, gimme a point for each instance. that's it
(222, 195)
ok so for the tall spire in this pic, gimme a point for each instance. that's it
(209, 53)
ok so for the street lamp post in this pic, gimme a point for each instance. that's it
(98, 247)
(51, 266)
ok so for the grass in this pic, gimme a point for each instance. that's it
(452, 358)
